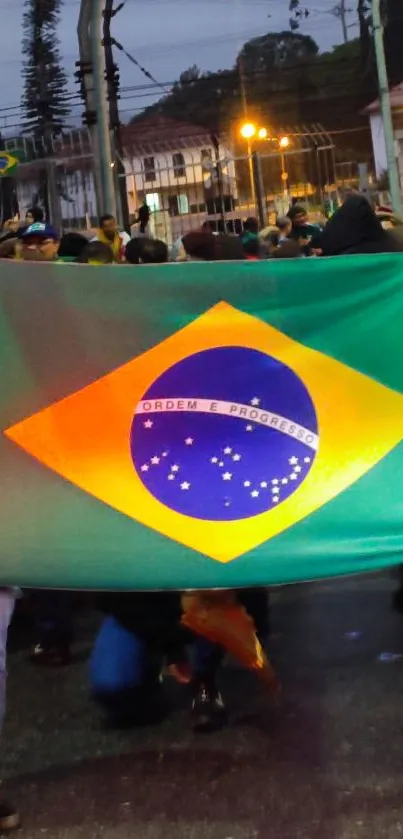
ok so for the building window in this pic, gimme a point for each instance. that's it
(194, 208)
(153, 201)
(178, 205)
(178, 162)
(206, 156)
(183, 205)
(149, 168)
(197, 208)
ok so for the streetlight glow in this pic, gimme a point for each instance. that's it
(284, 142)
(262, 133)
(248, 130)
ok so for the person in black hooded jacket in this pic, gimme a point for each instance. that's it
(355, 228)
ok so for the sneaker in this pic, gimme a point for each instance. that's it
(9, 818)
(208, 709)
(51, 656)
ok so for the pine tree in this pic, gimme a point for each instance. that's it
(44, 97)
(45, 83)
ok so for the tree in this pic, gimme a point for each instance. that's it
(343, 87)
(45, 84)
(192, 74)
(279, 77)
(45, 88)
(277, 51)
(203, 99)
(276, 65)
(393, 21)
(276, 68)
(394, 40)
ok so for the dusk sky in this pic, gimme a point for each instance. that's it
(165, 36)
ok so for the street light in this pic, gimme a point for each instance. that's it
(284, 143)
(248, 130)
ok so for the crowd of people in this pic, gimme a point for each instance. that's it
(142, 633)
(355, 227)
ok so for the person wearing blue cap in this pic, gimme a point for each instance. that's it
(39, 242)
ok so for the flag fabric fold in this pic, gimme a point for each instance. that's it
(218, 617)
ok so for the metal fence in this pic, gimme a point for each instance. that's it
(186, 185)
(64, 164)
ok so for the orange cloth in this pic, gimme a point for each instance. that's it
(218, 617)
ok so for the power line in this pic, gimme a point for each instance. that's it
(134, 61)
(341, 88)
(252, 75)
(150, 89)
(224, 37)
(335, 96)
(141, 92)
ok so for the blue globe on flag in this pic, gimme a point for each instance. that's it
(225, 434)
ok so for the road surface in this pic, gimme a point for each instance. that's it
(325, 764)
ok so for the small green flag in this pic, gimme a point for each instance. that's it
(8, 164)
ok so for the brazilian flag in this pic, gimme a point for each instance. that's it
(200, 425)
(8, 164)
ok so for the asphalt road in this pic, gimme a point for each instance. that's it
(326, 763)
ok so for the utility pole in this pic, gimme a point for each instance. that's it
(242, 80)
(85, 77)
(218, 171)
(91, 73)
(387, 118)
(343, 19)
(340, 11)
(112, 82)
(102, 125)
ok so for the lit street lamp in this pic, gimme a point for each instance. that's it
(249, 131)
(284, 142)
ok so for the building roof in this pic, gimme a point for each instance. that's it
(144, 137)
(396, 100)
(158, 133)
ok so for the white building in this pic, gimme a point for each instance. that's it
(169, 164)
(172, 166)
(377, 133)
